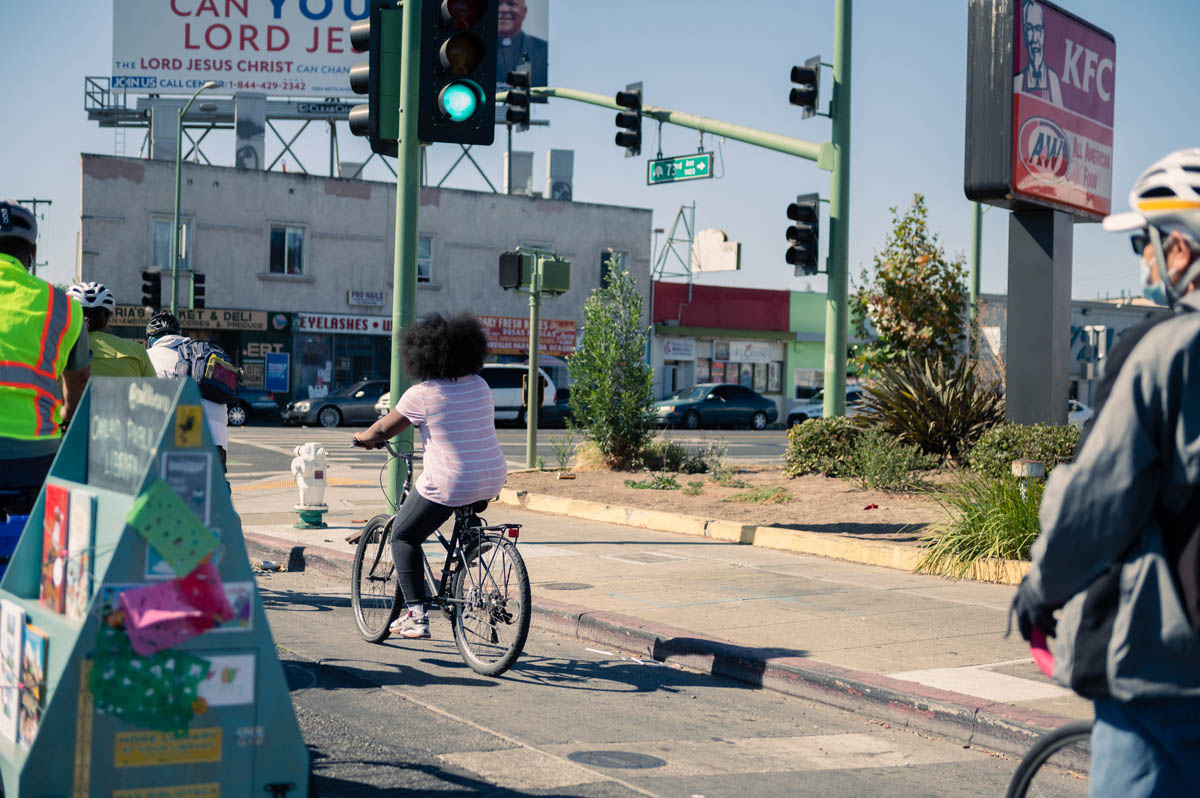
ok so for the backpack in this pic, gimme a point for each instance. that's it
(209, 366)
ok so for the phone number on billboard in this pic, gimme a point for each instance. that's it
(266, 85)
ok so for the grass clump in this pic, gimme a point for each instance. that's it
(655, 482)
(761, 495)
(881, 462)
(564, 448)
(660, 454)
(989, 518)
(693, 489)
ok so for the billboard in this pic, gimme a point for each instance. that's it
(1040, 100)
(280, 47)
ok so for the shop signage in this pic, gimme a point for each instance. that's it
(745, 351)
(372, 298)
(679, 348)
(206, 319)
(345, 323)
(278, 376)
(509, 335)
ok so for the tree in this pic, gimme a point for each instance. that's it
(611, 382)
(916, 302)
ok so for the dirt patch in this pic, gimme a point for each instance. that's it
(814, 504)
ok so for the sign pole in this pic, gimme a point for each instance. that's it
(531, 381)
(408, 198)
(837, 268)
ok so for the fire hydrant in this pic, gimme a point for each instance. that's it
(309, 467)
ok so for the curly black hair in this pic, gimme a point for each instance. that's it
(440, 347)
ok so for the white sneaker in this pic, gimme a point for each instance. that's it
(414, 624)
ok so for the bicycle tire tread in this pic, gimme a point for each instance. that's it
(1042, 750)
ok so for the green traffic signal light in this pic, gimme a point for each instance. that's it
(459, 100)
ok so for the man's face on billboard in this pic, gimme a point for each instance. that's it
(511, 15)
(1035, 33)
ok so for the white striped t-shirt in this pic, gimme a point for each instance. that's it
(463, 462)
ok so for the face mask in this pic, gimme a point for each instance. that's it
(1156, 293)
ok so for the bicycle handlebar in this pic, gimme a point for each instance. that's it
(392, 449)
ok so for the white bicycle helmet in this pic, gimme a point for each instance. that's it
(93, 295)
(1166, 198)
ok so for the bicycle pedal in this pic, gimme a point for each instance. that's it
(353, 537)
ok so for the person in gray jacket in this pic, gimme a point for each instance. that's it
(1119, 553)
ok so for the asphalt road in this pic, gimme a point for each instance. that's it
(571, 719)
(258, 451)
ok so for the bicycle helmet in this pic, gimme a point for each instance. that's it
(1166, 198)
(162, 323)
(93, 295)
(16, 221)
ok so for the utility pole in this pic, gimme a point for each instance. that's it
(33, 203)
(408, 200)
(836, 311)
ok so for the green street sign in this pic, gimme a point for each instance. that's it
(681, 167)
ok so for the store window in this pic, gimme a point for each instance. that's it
(611, 260)
(425, 259)
(160, 246)
(287, 250)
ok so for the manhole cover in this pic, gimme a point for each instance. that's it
(565, 586)
(616, 759)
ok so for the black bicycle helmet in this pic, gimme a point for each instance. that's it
(16, 221)
(163, 323)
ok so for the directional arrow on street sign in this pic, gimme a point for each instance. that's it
(680, 167)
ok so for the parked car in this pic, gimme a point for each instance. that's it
(1078, 413)
(505, 381)
(814, 407)
(558, 414)
(251, 402)
(715, 405)
(351, 405)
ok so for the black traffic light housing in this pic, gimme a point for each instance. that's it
(457, 98)
(541, 397)
(629, 121)
(517, 98)
(804, 237)
(807, 91)
(516, 269)
(379, 35)
(197, 291)
(151, 289)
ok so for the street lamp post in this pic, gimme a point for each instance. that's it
(212, 84)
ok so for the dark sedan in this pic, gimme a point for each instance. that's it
(715, 405)
(251, 402)
(352, 405)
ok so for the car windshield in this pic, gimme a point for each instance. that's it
(351, 389)
(689, 393)
(816, 398)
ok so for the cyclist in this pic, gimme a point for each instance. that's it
(1120, 546)
(112, 356)
(42, 342)
(452, 407)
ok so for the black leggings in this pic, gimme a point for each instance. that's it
(414, 523)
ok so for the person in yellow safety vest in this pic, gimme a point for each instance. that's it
(44, 362)
(112, 356)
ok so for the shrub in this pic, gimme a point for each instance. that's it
(1051, 444)
(990, 518)
(655, 482)
(662, 455)
(943, 410)
(880, 462)
(694, 489)
(821, 446)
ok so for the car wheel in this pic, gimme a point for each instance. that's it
(237, 415)
(795, 421)
(329, 417)
(691, 419)
(758, 420)
(520, 422)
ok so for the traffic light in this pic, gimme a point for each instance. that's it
(458, 71)
(541, 397)
(197, 291)
(807, 91)
(379, 35)
(629, 121)
(804, 236)
(516, 270)
(517, 99)
(151, 289)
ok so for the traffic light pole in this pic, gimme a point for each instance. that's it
(532, 394)
(837, 269)
(408, 198)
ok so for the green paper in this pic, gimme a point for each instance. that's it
(170, 526)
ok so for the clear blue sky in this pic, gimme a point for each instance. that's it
(725, 60)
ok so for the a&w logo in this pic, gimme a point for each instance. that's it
(1044, 150)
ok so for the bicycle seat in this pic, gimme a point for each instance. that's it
(473, 509)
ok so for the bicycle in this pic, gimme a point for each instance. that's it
(1053, 744)
(483, 588)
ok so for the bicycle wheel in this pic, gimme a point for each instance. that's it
(373, 586)
(1032, 777)
(492, 611)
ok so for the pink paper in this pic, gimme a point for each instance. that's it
(157, 618)
(202, 589)
(1041, 652)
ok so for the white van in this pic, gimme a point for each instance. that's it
(505, 381)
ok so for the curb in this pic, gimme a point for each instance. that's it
(796, 541)
(953, 716)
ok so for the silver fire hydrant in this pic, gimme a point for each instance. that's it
(310, 468)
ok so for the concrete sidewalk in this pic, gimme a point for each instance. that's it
(904, 648)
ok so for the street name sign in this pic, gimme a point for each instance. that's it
(678, 168)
